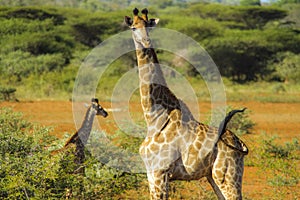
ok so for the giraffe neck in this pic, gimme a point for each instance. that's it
(156, 98)
(86, 127)
(149, 68)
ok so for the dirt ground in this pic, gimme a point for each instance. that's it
(282, 119)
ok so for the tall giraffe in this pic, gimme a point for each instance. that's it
(79, 139)
(178, 147)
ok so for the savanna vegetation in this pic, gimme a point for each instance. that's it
(255, 46)
(42, 47)
(29, 171)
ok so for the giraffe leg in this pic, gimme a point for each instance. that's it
(158, 184)
(216, 188)
(227, 176)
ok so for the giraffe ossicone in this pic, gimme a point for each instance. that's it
(177, 146)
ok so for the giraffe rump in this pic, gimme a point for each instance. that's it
(240, 146)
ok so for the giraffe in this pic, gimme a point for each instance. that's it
(75, 144)
(177, 146)
(79, 139)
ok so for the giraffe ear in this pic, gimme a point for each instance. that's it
(153, 22)
(128, 20)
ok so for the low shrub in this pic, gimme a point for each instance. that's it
(281, 160)
(29, 171)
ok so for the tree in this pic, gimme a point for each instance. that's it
(257, 17)
(288, 67)
(244, 55)
(250, 2)
(288, 1)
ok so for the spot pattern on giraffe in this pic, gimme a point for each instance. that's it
(178, 147)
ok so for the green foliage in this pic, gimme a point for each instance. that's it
(129, 142)
(293, 18)
(257, 17)
(111, 182)
(281, 160)
(287, 67)
(246, 58)
(33, 13)
(92, 30)
(251, 17)
(277, 163)
(198, 29)
(18, 65)
(28, 171)
(279, 88)
(248, 52)
(23, 167)
(273, 150)
(39, 43)
(241, 123)
(250, 2)
(7, 93)
(282, 2)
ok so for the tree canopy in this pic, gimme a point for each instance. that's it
(242, 40)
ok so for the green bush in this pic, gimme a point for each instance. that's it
(286, 151)
(250, 17)
(34, 13)
(287, 67)
(7, 93)
(196, 28)
(240, 123)
(28, 171)
(19, 65)
(25, 172)
(280, 160)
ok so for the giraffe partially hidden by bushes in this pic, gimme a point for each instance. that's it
(178, 147)
(76, 143)
(78, 140)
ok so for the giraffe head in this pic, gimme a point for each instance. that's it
(97, 108)
(140, 28)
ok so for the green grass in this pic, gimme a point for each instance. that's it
(272, 92)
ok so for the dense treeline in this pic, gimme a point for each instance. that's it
(245, 42)
(42, 47)
(120, 4)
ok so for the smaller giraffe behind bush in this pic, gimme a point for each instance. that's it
(78, 140)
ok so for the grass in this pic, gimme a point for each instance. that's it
(263, 92)
(272, 92)
(276, 163)
(254, 91)
(59, 86)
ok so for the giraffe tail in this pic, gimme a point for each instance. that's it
(222, 127)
